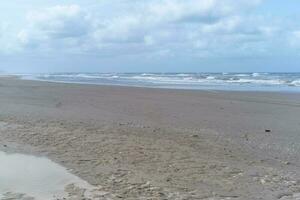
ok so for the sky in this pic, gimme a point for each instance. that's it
(149, 36)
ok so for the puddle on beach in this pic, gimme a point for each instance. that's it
(30, 177)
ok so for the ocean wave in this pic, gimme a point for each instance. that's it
(255, 74)
(295, 83)
(241, 75)
(258, 81)
(192, 80)
(148, 74)
(210, 78)
(183, 75)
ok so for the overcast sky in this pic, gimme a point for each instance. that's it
(149, 35)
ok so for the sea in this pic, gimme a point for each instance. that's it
(286, 82)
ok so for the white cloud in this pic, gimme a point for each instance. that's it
(63, 26)
(7, 39)
(157, 27)
(60, 21)
(295, 39)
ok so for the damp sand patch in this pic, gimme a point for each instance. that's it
(30, 177)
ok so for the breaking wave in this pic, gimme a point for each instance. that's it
(228, 81)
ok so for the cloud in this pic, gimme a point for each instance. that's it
(153, 27)
(294, 40)
(175, 25)
(60, 21)
(50, 28)
(7, 39)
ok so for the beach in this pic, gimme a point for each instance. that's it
(147, 143)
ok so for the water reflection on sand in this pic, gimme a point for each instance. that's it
(30, 177)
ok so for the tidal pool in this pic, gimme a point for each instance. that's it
(30, 177)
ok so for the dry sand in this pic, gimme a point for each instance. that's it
(139, 143)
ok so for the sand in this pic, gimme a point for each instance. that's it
(142, 143)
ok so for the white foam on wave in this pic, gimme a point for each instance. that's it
(295, 83)
(241, 75)
(176, 79)
(183, 75)
(210, 78)
(144, 78)
(258, 81)
(148, 74)
(255, 74)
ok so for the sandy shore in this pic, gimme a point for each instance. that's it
(139, 143)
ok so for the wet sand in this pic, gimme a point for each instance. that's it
(31, 177)
(141, 143)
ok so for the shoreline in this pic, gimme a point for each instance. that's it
(158, 143)
(238, 87)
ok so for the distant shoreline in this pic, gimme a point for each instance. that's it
(264, 82)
